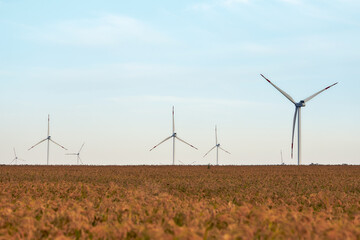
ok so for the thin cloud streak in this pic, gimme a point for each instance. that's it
(214, 4)
(231, 2)
(187, 100)
(294, 2)
(109, 30)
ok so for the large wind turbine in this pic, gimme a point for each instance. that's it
(298, 106)
(173, 136)
(217, 146)
(48, 141)
(16, 158)
(77, 154)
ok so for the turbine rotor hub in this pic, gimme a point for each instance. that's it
(300, 104)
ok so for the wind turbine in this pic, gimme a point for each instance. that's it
(187, 164)
(217, 146)
(16, 158)
(48, 141)
(77, 154)
(173, 136)
(298, 106)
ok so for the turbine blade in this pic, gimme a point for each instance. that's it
(314, 95)
(70, 153)
(81, 147)
(58, 144)
(48, 124)
(23, 160)
(216, 140)
(37, 144)
(283, 92)
(173, 120)
(12, 161)
(15, 153)
(181, 162)
(186, 142)
(209, 151)
(293, 131)
(224, 150)
(161, 142)
(80, 160)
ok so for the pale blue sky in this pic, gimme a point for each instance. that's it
(108, 74)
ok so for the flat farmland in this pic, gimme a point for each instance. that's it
(180, 202)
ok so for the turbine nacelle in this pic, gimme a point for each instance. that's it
(218, 145)
(173, 135)
(300, 104)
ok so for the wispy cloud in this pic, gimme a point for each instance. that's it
(185, 100)
(206, 6)
(202, 6)
(5, 72)
(253, 48)
(232, 2)
(295, 2)
(103, 31)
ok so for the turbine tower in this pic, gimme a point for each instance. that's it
(77, 154)
(298, 106)
(48, 142)
(217, 146)
(16, 158)
(173, 136)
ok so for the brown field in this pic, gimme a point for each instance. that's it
(180, 202)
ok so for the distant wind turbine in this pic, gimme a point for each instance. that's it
(16, 158)
(187, 164)
(77, 154)
(48, 141)
(298, 107)
(173, 136)
(217, 146)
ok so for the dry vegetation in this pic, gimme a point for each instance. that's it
(261, 202)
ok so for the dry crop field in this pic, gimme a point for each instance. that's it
(180, 202)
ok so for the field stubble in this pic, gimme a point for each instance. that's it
(184, 202)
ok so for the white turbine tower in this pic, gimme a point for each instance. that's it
(298, 106)
(16, 158)
(173, 136)
(77, 154)
(48, 141)
(217, 146)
